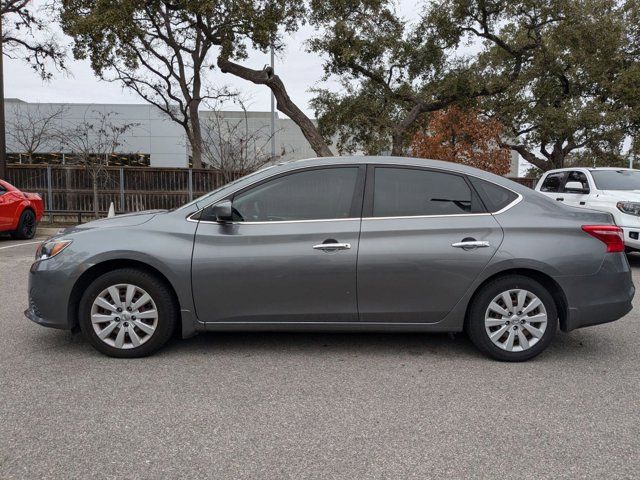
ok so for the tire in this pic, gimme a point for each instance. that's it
(524, 336)
(143, 331)
(26, 226)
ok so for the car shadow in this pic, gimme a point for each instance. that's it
(576, 346)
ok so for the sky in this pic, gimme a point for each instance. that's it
(299, 70)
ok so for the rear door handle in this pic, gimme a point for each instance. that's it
(471, 244)
(332, 247)
(560, 199)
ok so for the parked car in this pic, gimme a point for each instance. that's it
(353, 243)
(20, 212)
(612, 190)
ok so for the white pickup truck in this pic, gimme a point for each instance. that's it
(612, 190)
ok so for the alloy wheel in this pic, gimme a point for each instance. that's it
(28, 224)
(515, 320)
(124, 316)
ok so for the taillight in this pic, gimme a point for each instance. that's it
(610, 235)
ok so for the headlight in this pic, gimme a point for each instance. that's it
(51, 248)
(630, 208)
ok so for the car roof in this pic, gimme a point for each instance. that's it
(590, 169)
(400, 161)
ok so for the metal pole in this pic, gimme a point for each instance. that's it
(49, 192)
(3, 146)
(273, 111)
(190, 184)
(122, 189)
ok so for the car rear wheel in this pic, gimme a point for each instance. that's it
(26, 226)
(512, 318)
(127, 313)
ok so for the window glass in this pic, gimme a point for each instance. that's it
(553, 182)
(494, 196)
(310, 195)
(577, 177)
(402, 192)
(617, 179)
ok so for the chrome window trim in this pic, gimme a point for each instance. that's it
(276, 222)
(504, 209)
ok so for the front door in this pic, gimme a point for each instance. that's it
(576, 197)
(290, 253)
(425, 238)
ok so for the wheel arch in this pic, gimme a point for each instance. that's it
(20, 209)
(545, 280)
(101, 268)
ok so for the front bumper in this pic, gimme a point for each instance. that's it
(49, 293)
(631, 237)
(600, 298)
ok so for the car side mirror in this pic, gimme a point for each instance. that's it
(223, 211)
(575, 187)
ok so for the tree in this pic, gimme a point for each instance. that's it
(231, 146)
(578, 95)
(32, 129)
(394, 72)
(463, 136)
(92, 141)
(156, 48)
(20, 25)
(25, 35)
(260, 24)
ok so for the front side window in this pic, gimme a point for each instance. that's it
(324, 193)
(400, 192)
(553, 182)
(577, 177)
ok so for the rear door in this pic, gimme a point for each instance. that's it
(288, 256)
(425, 237)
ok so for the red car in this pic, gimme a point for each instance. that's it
(19, 212)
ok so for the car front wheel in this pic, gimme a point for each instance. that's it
(127, 313)
(513, 318)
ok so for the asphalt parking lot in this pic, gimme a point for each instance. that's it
(255, 405)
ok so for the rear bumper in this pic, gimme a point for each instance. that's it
(600, 298)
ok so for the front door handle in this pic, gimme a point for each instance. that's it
(332, 247)
(560, 199)
(470, 244)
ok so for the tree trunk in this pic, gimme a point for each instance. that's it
(196, 135)
(284, 102)
(397, 144)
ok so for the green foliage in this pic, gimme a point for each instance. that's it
(577, 95)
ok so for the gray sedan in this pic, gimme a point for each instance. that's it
(351, 243)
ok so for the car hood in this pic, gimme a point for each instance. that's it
(126, 220)
(622, 195)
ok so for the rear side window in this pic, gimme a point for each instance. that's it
(309, 195)
(400, 192)
(494, 196)
(553, 182)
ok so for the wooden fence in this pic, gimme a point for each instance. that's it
(131, 189)
(70, 188)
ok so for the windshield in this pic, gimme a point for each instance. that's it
(213, 192)
(617, 179)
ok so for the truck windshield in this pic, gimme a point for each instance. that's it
(617, 179)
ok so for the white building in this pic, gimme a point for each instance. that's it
(152, 139)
